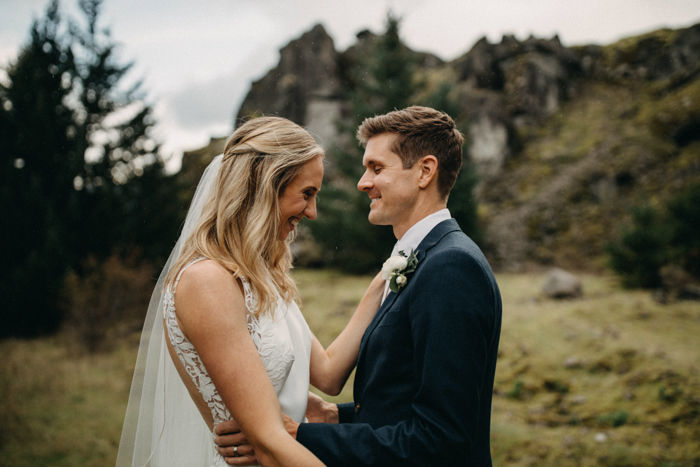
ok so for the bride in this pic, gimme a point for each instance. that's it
(224, 337)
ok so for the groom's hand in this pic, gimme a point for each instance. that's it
(232, 444)
(320, 411)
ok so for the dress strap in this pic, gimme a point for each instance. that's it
(251, 302)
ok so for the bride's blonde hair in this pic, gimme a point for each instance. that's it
(240, 221)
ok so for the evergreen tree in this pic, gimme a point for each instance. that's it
(642, 250)
(63, 101)
(36, 183)
(124, 180)
(659, 238)
(683, 214)
(461, 203)
(382, 82)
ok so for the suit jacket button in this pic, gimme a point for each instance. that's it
(357, 407)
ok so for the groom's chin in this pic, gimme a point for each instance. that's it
(375, 220)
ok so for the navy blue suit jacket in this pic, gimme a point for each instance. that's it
(426, 367)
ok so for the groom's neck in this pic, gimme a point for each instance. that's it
(421, 212)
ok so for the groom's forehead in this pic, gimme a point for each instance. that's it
(385, 159)
(379, 150)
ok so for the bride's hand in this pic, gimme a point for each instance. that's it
(320, 411)
(378, 283)
(230, 441)
(375, 291)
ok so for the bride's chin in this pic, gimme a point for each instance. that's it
(283, 236)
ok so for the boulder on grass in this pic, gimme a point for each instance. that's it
(561, 284)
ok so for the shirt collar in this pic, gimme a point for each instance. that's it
(413, 236)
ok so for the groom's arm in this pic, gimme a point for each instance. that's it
(452, 329)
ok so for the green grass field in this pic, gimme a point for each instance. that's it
(611, 379)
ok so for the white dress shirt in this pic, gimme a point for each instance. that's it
(413, 236)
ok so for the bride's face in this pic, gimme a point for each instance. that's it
(298, 200)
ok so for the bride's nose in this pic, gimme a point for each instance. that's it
(310, 210)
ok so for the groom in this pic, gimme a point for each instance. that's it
(426, 365)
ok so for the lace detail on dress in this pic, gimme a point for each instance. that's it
(272, 341)
(277, 358)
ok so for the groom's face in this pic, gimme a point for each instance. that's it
(393, 190)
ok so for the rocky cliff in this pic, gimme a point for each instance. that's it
(565, 139)
(304, 87)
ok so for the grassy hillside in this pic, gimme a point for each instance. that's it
(610, 379)
(621, 140)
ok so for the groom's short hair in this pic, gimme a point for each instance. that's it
(420, 131)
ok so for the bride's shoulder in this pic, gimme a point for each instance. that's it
(208, 296)
(206, 276)
(206, 266)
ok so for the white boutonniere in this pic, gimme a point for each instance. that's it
(395, 269)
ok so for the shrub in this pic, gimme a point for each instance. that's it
(107, 302)
(684, 222)
(614, 419)
(668, 394)
(642, 251)
(516, 391)
(657, 239)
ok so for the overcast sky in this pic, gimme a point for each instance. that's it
(198, 57)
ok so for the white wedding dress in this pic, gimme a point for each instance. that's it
(162, 426)
(283, 342)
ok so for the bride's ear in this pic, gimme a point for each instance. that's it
(428, 170)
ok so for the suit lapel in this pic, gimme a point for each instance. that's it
(430, 240)
(383, 308)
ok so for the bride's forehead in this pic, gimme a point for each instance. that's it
(311, 173)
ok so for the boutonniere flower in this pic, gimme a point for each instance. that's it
(395, 269)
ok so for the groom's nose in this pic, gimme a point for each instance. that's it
(365, 182)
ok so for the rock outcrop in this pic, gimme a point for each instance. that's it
(564, 139)
(304, 87)
(501, 87)
(507, 85)
(656, 55)
(628, 132)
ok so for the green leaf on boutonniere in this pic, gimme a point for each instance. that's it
(393, 284)
(412, 261)
(398, 278)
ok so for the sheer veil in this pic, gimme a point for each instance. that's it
(162, 426)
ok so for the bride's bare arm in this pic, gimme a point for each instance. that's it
(211, 308)
(331, 367)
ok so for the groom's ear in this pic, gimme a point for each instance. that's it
(428, 170)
